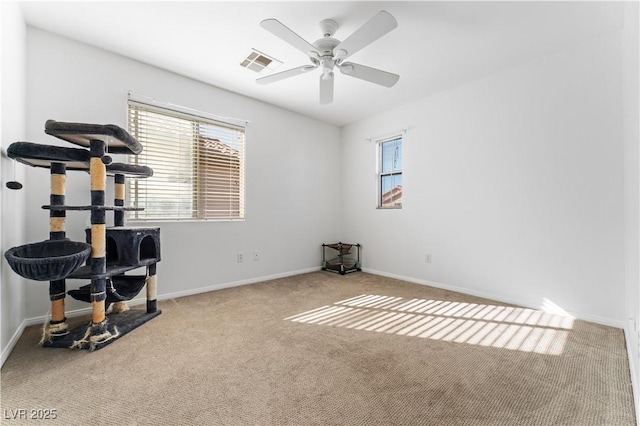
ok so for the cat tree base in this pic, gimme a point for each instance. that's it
(118, 325)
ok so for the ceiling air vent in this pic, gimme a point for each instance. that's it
(259, 62)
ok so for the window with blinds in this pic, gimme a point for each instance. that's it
(198, 166)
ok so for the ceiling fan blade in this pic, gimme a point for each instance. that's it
(373, 29)
(285, 74)
(326, 88)
(278, 29)
(373, 75)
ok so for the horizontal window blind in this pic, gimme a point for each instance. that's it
(198, 165)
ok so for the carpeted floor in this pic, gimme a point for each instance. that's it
(324, 349)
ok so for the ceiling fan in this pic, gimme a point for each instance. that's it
(329, 53)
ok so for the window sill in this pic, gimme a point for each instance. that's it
(182, 220)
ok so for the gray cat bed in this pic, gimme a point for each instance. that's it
(48, 260)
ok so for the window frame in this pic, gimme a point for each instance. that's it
(380, 174)
(198, 144)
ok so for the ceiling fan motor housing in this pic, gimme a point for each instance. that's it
(328, 27)
(325, 45)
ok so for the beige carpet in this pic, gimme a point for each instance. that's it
(324, 349)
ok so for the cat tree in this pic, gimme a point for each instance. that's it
(109, 252)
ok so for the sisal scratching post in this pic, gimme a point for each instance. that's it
(118, 215)
(118, 220)
(119, 307)
(98, 174)
(57, 288)
(152, 288)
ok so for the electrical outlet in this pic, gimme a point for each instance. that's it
(239, 258)
(256, 256)
(427, 258)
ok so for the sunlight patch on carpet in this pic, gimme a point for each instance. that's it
(503, 327)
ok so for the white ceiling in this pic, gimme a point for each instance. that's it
(437, 45)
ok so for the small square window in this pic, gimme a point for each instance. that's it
(390, 173)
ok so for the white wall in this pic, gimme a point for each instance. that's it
(631, 94)
(12, 123)
(292, 170)
(512, 182)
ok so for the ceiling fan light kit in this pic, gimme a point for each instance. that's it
(329, 53)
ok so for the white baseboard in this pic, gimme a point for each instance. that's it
(84, 311)
(633, 369)
(514, 301)
(12, 342)
(234, 284)
(174, 295)
(139, 301)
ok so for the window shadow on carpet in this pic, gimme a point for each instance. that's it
(504, 327)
